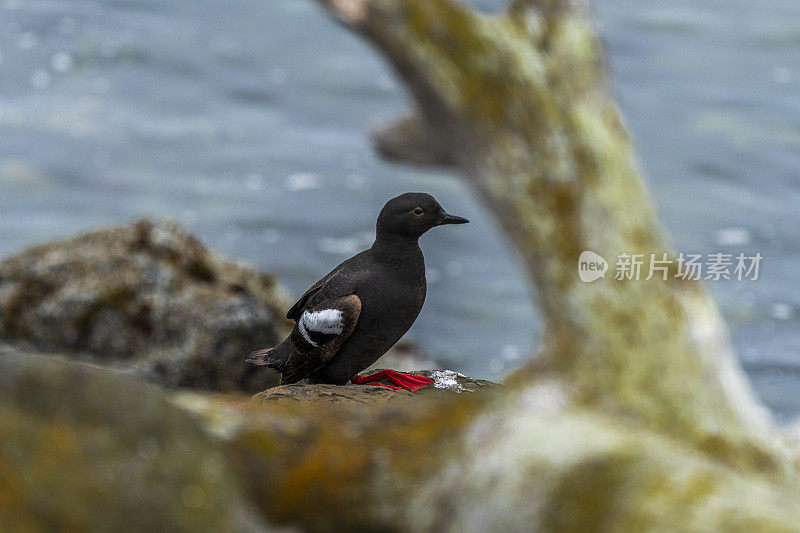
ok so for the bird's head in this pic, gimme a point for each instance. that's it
(412, 214)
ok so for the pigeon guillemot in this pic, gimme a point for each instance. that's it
(351, 317)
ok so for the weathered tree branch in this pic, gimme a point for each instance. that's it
(410, 140)
(523, 102)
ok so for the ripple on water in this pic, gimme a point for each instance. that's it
(303, 181)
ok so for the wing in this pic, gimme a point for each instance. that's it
(318, 334)
(297, 308)
(335, 284)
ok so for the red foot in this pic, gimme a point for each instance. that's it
(402, 380)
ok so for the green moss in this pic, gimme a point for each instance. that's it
(338, 457)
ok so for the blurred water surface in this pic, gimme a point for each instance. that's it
(247, 122)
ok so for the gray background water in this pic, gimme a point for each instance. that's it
(247, 121)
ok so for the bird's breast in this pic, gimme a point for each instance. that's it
(391, 302)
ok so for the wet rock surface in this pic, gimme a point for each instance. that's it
(146, 298)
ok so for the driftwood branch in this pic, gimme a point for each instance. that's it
(410, 140)
(522, 102)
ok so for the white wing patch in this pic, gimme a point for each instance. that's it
(325, 321)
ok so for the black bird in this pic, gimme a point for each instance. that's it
(347, 320)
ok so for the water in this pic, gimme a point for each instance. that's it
(248, 123)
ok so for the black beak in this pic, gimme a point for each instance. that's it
(452, 219)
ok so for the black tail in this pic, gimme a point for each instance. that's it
(272, 357)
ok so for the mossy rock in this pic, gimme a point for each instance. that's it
(86, 450)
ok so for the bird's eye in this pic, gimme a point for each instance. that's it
(418, 211)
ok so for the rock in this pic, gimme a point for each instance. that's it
(331, 395)
(146, 298)
(368, 395)
(86, 450)
(452, 381)
(525, 460)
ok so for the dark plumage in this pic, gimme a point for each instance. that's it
(352, 316)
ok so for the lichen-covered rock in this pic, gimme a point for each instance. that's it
(83, 449)
(148, 298)
(524, 460)
(334, 466)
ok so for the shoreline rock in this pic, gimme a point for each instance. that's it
(147, 299)
(445, 382)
